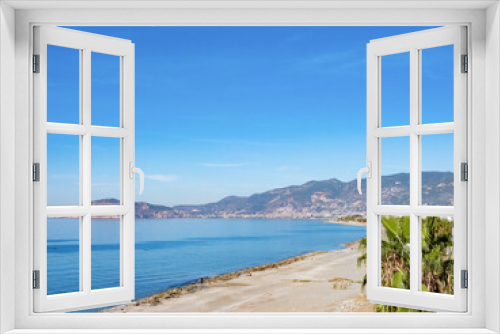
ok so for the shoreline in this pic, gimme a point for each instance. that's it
(236, 291)
(201, 283)
(346, 223)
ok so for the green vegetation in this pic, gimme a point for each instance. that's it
(352, 218)
(395, 252)
(437, 256)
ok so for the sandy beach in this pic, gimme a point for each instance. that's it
(314, 282)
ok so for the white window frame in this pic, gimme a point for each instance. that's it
(482, 19)
(414, 43)
(86, 44)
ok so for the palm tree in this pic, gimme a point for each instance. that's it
(437, 256)
(395, 252)
(362, 259)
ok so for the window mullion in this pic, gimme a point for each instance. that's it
(82, 194)
(414, 169)
(86, 139)
(85, 161)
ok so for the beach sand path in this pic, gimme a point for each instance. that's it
(325, 282)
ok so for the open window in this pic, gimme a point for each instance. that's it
(68, 148)
(398, 234)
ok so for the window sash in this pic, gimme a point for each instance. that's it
(413, 43)
(86, 43)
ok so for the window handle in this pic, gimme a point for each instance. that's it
(368, 171)
(134, 170)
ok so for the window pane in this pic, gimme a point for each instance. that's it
(63, 170)
(395, 89)
(105, 90)
(63, 85)
(395, 171)
(437, 169)
(63, 255)
(437, 84)
(437, 254)
(106, 171)
(395, 252)
(105, 252)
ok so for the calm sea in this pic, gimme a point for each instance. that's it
(173, 252)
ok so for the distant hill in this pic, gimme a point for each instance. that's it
(317, 199)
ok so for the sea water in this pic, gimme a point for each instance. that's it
(174, 252)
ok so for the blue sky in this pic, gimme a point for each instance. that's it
(237, 110)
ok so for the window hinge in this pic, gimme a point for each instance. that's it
(465, 64)
(36, 172)
(464, 170)
(36, 279)
(36, 63)
(465, 279)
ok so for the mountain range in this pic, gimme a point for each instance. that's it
(314, 199)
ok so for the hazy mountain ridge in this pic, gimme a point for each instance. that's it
(318, 199)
